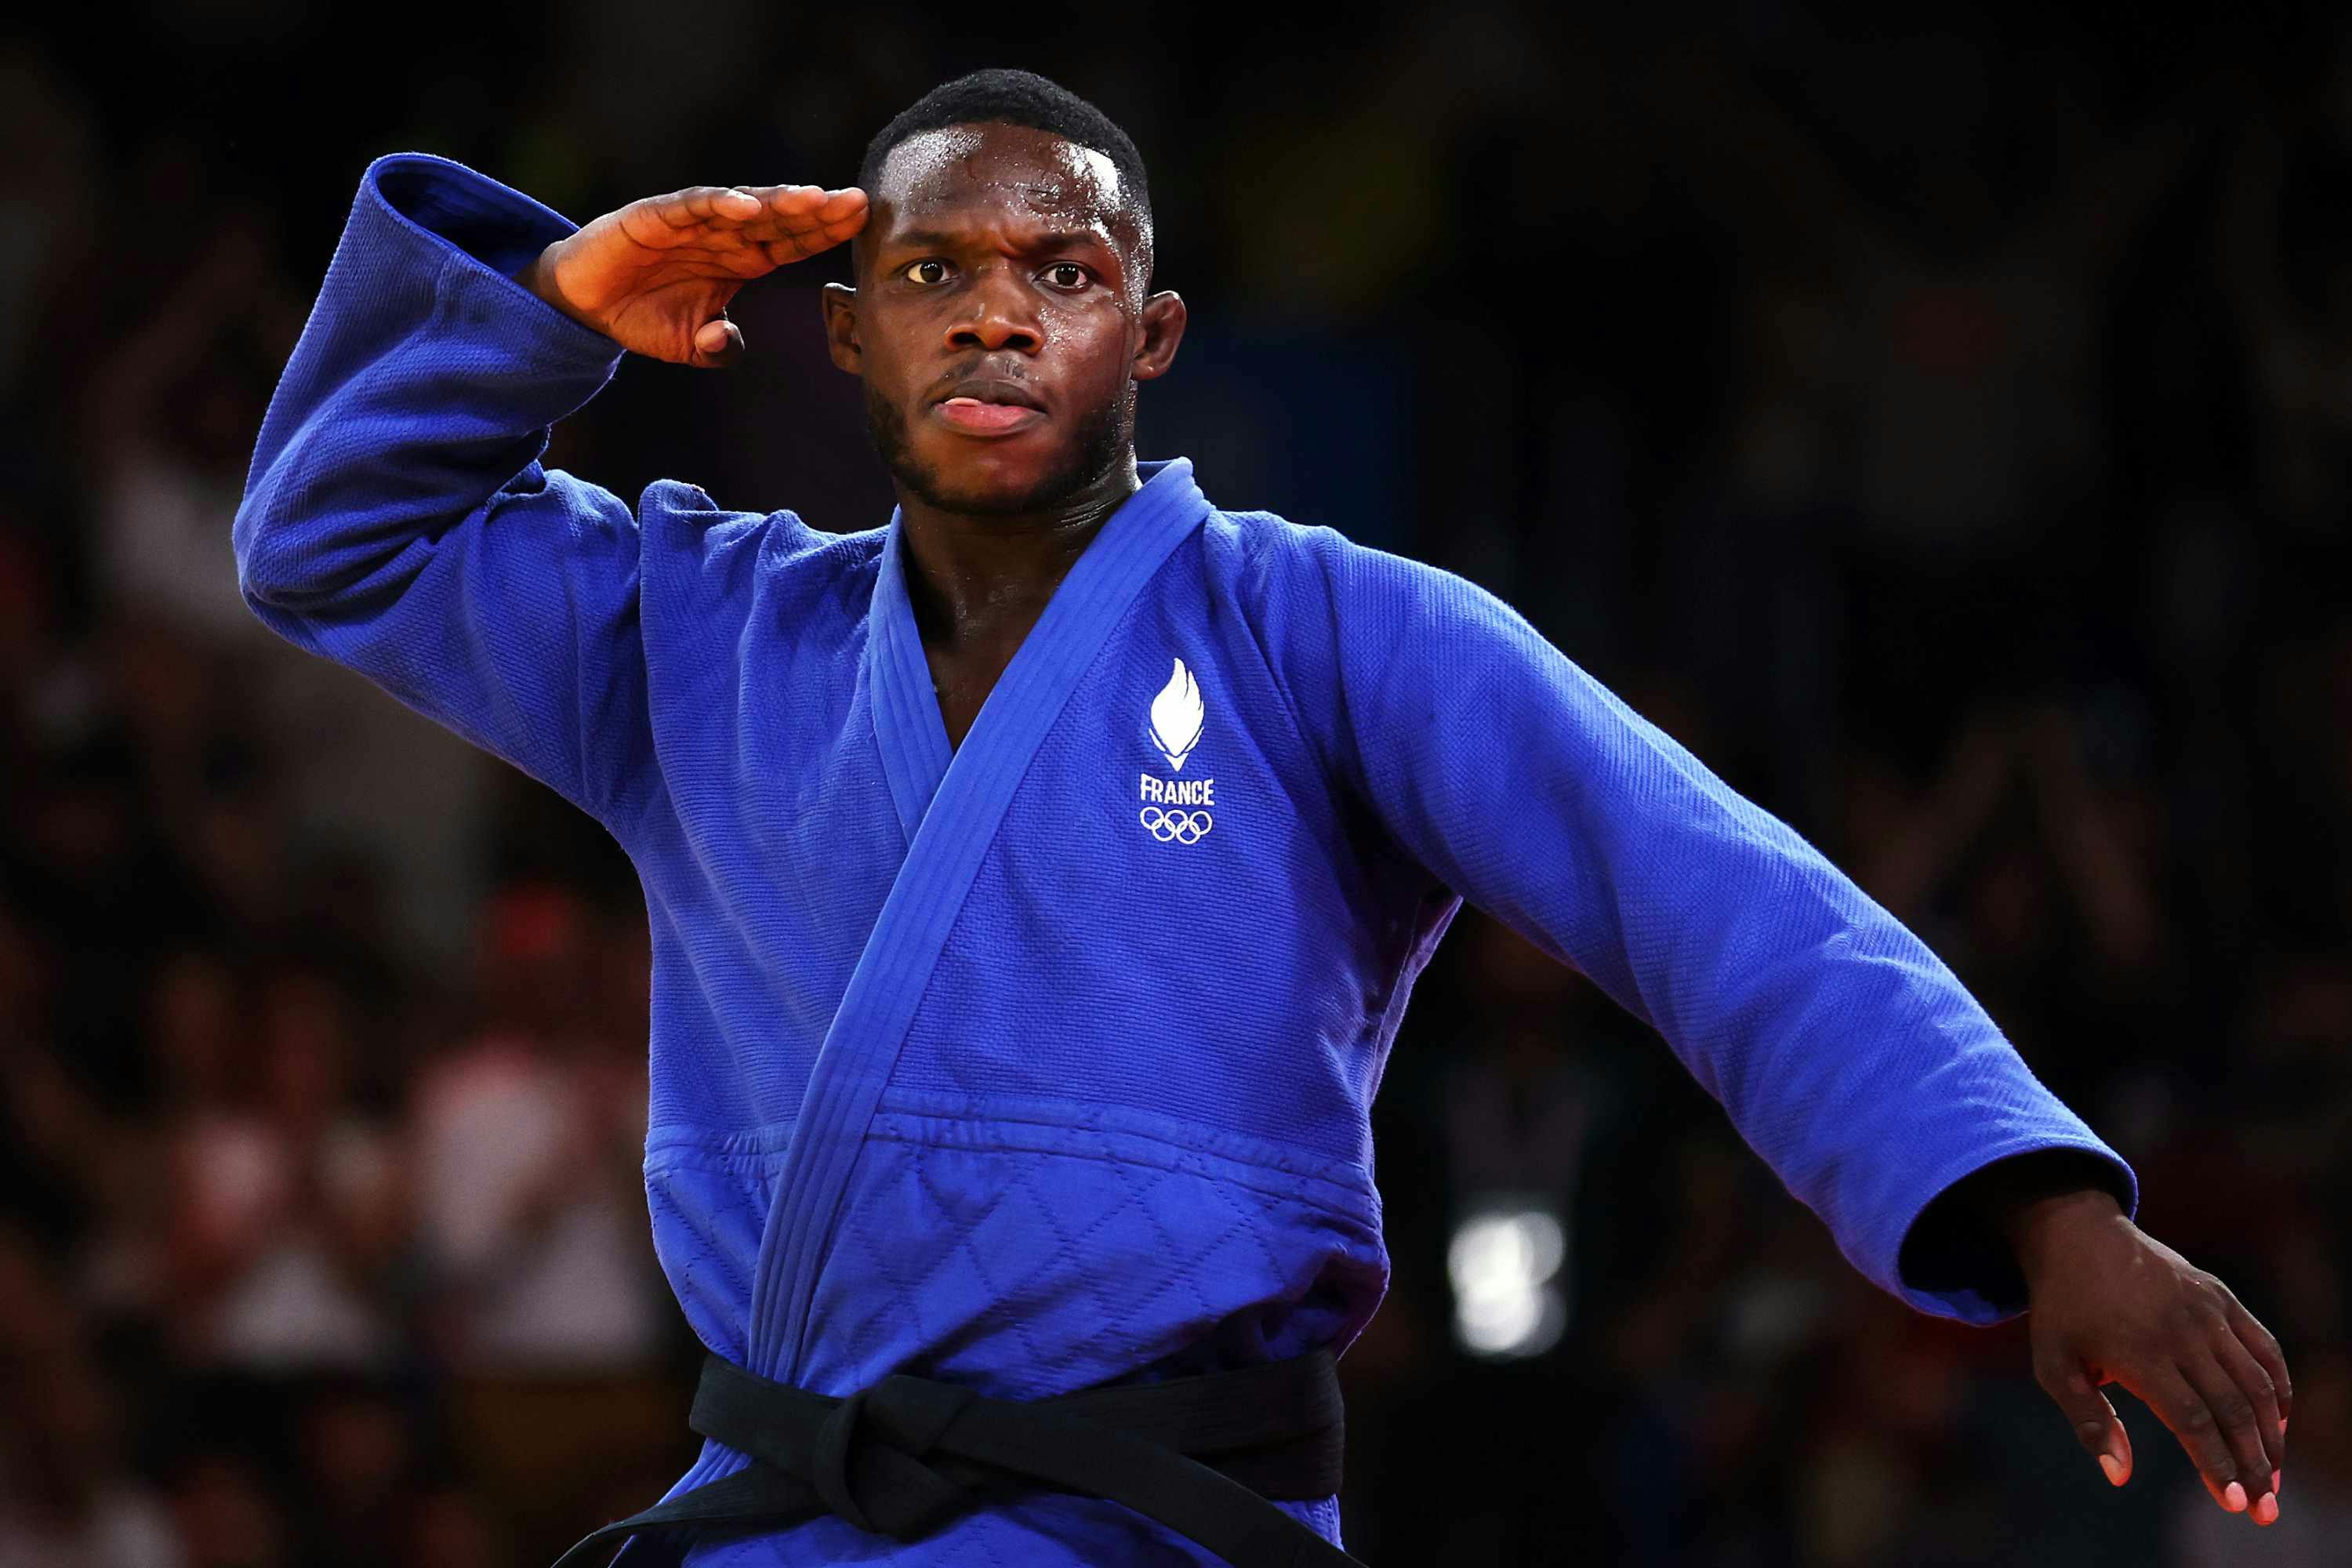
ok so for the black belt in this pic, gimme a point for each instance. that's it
(1201, 1456)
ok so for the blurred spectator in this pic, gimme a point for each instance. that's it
(168, 418)
(447, 1529)
(528, 1139)
(37, 1319)
(359, 1471)
(2287, 247)
(66, 1500)
(1952, 359)
(50, 179)
(169, 430)
(289, 1206)
(225, 1515)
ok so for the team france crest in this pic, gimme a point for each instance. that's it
(1175, 811)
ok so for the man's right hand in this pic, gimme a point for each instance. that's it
(655, 275)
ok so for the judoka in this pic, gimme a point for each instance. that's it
(1036, 880)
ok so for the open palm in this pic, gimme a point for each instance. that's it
(656, 275)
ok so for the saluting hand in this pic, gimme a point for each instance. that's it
(655, 275)
(2112, 1304)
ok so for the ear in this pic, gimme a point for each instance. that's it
(1163, 328)
(840, 305)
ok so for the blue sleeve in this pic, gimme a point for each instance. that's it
(396, 518)
(1847, 1055)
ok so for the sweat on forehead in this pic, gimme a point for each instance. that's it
(1046, 173)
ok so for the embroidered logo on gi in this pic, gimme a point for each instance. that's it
(1176, 717)
(1174, 810)
(1178, 826)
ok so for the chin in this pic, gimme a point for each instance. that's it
(982, 500)
(993, 482)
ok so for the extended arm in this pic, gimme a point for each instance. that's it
(1847, 1055)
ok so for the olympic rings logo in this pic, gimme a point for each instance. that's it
(1177, 827)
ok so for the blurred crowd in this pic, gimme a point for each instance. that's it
(1944, 427)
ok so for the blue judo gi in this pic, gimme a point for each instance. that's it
(1048, 1060)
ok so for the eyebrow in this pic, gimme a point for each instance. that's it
(939, 239)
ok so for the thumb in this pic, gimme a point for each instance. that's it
(2097, 1425)
(718, 341)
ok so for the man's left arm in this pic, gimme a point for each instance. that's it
(1847, 1055)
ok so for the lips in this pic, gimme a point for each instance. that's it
(983, 405)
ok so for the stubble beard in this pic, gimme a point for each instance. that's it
(1104, 433)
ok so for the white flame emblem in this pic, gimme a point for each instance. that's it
(1176, 717)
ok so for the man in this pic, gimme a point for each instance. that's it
(1036, 883)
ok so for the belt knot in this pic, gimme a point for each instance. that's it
(867, 1464)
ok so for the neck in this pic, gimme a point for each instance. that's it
(967, 573)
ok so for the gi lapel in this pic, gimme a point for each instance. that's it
(907, 722)
(951, 835)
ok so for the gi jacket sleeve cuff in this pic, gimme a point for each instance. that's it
(475, 234)
(1953, 1266)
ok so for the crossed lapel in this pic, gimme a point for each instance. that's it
(950, 803)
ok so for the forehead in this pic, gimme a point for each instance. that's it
(993, 170)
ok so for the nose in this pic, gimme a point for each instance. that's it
(996, 315)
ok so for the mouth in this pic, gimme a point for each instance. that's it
(987, 407)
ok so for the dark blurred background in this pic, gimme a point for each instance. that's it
(1941, 422)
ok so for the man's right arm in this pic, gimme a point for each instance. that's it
(396, 518)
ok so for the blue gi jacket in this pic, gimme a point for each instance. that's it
(1048, 1061)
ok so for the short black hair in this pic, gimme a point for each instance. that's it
(1016, 98)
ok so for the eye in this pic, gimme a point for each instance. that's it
(932, 269)
(1067, 275)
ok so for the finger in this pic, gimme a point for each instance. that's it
(2181, 1407)
(705, 207)
(2234, 1409)
(821, 209)
(709, 203)
(2264, 1348)
(799, 247)
(843, 211)
(2254, 1379)
(2095, 1424)
(786, 201)
(718, 343)
(846, 214)
(2239, 1392)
